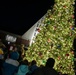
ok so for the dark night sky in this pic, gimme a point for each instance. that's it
(18, 16)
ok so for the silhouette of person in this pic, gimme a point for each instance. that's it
(47, 69)
(33, 66)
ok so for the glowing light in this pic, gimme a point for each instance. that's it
(54, 39)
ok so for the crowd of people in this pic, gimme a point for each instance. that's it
(11, 63)
(10, 53)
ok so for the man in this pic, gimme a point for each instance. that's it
(48, 69)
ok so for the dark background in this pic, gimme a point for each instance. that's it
(18, 16)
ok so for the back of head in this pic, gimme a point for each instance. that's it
(33, 62)
(14, 55)
(24, 62)
(50, 62)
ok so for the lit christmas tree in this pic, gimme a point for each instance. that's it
(55, 38)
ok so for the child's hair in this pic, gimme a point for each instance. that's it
(41, 66)
(33, 62)
(24, 62)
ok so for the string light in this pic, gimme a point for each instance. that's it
(55, 39)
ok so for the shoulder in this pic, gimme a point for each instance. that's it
(49, 71)
(54, 72)
(38, 71)
(12, 62)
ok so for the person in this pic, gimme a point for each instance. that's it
(41, 66)
(33, 66)
(21, 52)
(23, 68)
(47, 69)
(10, 66)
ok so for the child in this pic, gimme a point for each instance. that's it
(23, 68)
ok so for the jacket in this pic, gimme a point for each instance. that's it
(23, 70)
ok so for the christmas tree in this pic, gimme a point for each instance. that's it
(55, 38)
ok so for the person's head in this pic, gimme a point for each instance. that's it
(33, 62)
(15, 49)
(29, 63)
(25, 62)
(14, 55)
(41, 66)
(50, 62)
